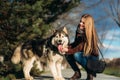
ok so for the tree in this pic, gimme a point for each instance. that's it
(22, 20)
(114, 11)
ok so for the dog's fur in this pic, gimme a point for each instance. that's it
(34, 50)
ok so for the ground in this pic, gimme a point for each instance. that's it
(67, 73)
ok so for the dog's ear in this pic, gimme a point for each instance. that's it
(54, 31)
(65, 30)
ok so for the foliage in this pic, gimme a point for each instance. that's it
(22, 20)
(5, 69)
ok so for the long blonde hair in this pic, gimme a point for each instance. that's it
(91, 35)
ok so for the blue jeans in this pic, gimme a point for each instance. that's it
(78, 57)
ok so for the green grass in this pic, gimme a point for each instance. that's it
(115, 71)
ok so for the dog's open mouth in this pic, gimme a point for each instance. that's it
(60, 46)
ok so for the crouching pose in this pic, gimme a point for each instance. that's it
(83, 48)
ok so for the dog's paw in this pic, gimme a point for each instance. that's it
(29, 78)
(61, 78)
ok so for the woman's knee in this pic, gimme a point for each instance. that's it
(80, 59)
(78, 55)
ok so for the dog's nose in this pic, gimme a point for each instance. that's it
(60, 41)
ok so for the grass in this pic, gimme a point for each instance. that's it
(115, 71)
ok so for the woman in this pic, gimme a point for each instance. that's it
(83, 48)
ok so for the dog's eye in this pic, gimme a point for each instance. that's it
(62, 36)
(56, 36)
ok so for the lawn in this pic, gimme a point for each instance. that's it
(115, 71)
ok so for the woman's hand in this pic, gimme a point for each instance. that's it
(64, 49)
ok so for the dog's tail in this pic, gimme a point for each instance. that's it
(17, 55)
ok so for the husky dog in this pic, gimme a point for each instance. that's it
(34, 50)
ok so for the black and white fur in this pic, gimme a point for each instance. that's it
(34, 51)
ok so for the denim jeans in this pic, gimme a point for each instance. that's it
(78, 57)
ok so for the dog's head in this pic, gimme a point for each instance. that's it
(61, 37)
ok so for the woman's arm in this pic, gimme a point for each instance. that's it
(70, 50)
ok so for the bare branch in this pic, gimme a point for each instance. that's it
(114, 11)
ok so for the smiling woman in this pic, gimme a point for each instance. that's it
(84, 48)
(106, 25)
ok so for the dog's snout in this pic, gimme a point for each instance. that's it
(60, 41)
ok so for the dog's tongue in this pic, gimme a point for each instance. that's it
(60, 47)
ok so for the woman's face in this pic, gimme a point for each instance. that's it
(82, 24)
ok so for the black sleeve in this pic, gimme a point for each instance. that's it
(79, 37)
(76, 42)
